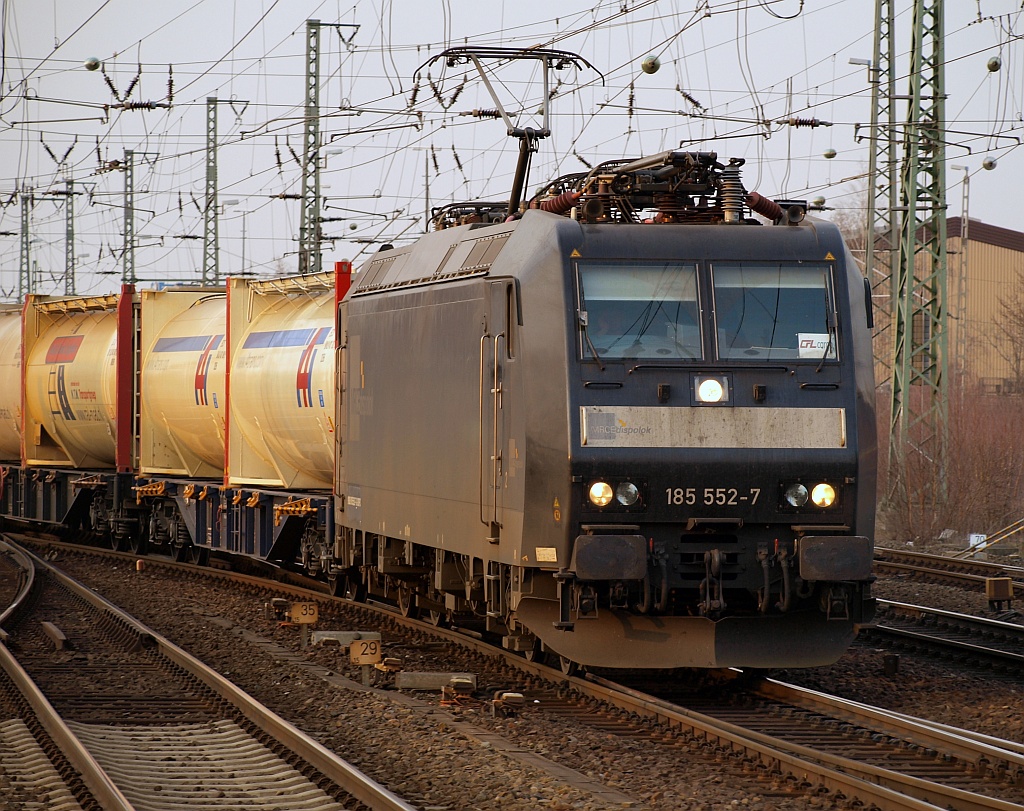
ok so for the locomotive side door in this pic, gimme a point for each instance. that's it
(497, 347)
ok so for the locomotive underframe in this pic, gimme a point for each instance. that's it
(711, 606)
(187, 519)
(544, 611)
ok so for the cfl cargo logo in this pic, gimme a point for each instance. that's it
(609, 426)
(815, 345)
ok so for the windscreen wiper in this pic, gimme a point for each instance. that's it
(586, 338)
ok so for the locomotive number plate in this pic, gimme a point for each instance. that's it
(712, 496)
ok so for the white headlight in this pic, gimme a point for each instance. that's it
(796, 495)
(823, 495)
(601, 494)
(627, 494)
(710, 391)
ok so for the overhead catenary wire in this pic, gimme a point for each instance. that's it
(624, 31)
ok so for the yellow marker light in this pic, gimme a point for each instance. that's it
(710, 391)
(601, 494)
(823, 495)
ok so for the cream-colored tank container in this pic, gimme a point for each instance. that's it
(10, 389)
(71, 381)
(281, 382)
(184, 366)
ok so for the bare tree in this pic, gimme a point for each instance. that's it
(1008, 339)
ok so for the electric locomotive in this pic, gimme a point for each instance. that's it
(631, 427)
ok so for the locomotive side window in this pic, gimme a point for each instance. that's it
(640, 310)
(773, 311)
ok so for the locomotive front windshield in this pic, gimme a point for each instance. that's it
(773, 311)
(759, 311)
(641, 311)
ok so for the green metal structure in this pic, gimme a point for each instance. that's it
(128, 259)
(69, 238)
(310, 258)
(211, 252)
(920, 399)
(25, 264)
(880, 255)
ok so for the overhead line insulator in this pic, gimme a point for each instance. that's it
(804, 122)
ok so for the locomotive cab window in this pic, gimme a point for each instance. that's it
(774, 312)
(631, 310)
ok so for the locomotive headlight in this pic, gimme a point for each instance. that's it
(796, 495)
(626, 494)
(601, 494)
(711, 389)
(823, 495)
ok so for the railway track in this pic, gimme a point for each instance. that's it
(796, 740)
(132, 721)
(801, 740)
(965, 638)
(971, 574)
(852, 749)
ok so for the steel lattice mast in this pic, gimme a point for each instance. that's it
(310, 259)
(211, 247)
(883, 226)
(25, 257)
(128, 269)
(69, 238)
(920, 402)
(309, 223)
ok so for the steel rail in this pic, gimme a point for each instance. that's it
(968, 623)
(342, 773)
(869, 784)
(103, 789)
(962, 744)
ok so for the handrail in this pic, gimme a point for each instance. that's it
(496, 395)
(480, 461)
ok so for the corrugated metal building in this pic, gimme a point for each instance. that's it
(985, 309)
(986, 306)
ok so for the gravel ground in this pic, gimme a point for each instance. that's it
(423, 759)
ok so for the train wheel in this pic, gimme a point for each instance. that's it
(536, 653)
(119, 542)
(568, 666)
(198, 555)
(432, 608)
(407, 602)
(354, 590)
(138, 544)
(438, 619)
